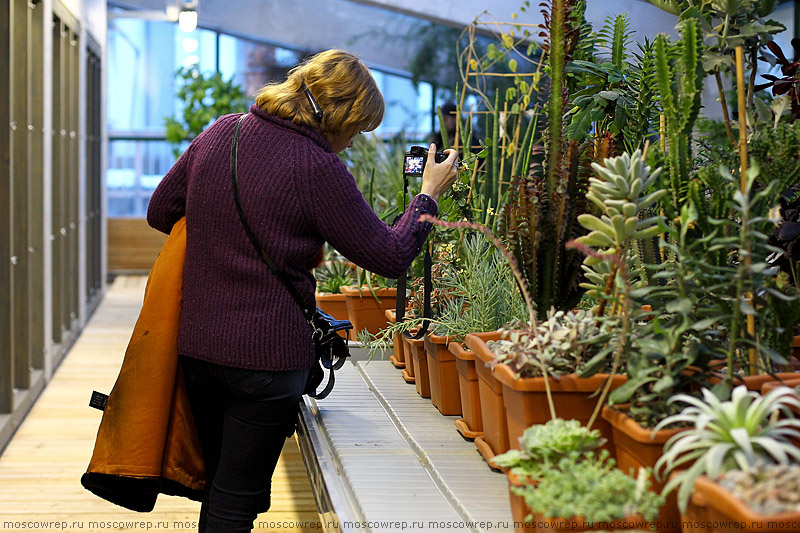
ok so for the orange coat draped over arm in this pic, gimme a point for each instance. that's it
(147, 442)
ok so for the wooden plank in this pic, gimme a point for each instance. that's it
(19, 176)
(41, 467)
(132, 245)
(94, 171)
(6, 291)
(56, 238)
(74, 171)
(36, 192)
(92, 181)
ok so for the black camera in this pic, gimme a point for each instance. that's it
(415, 159)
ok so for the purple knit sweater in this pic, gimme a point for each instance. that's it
(296, 194)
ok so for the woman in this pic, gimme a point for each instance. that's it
(245, 346)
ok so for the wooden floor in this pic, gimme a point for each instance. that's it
(40, 469)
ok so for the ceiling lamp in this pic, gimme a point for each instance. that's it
(187, 19)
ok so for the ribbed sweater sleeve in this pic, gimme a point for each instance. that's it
(340, 215)
(168, 202)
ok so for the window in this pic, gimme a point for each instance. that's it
(143, 56)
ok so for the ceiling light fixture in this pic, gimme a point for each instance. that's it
(187, 19)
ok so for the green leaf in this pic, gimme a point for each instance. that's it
(670, 6)
(512, 65)
(625, 392)
(580, 124)
(682, 306)
(608, 95)
(664, 384)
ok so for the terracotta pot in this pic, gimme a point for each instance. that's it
(421, 378)
(755, 383)
(336, 306)
(722, 512)
(493, 412)
(398, 357)
(408, 372)
(791, 383)
(470, 425)
(365, 312)
(519, 509)
(526, 401)
(445, 394)
(637, 447)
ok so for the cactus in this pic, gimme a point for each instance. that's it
(679, 77)
(541, 214)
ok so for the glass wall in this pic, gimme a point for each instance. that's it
(143, 56)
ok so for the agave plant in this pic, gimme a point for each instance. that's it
(728, 435)
(332, 275)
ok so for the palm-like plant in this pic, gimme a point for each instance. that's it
(728, 435)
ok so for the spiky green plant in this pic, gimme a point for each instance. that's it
(481, 296)
(679, 77)
(541, 214)
(726, 435)
(331, 276)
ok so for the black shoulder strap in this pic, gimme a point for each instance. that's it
(308, 313)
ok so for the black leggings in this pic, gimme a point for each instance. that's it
(243, 418)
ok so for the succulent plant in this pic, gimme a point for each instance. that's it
(560, 344)
(727, 435)
(332, 275)
(593, 489)
(620, 191)
(541, 446)
(766, 488)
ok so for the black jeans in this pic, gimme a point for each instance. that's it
(243, 418)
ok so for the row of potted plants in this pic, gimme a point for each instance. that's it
(643, 264)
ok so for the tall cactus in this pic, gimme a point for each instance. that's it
(679, 76)
(541, 215)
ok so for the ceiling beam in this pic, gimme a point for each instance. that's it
(646, 20)
(380, 32)
(381, 38)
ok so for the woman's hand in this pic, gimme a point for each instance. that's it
(438, 177)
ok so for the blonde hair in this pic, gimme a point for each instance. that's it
(342, 86)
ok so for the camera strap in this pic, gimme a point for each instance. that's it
(427, 286)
